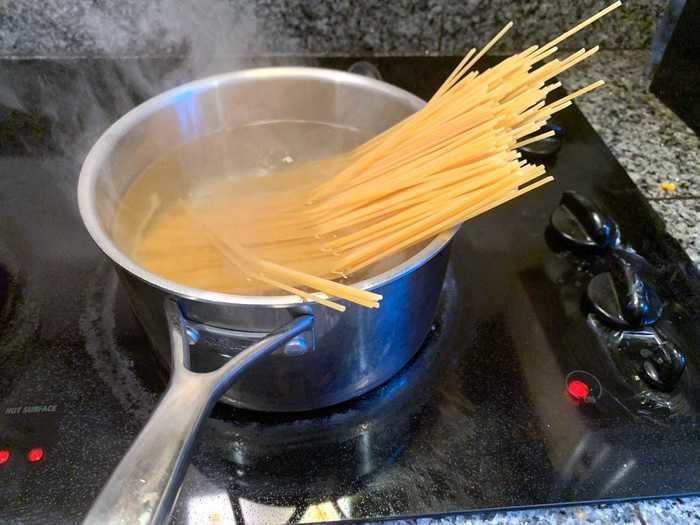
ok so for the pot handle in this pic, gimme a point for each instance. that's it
(145, 484)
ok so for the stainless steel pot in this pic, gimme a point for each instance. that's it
(322, 357)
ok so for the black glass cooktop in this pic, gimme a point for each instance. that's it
(562, 366)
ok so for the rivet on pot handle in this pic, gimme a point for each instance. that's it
(144, 486)
(228, 342)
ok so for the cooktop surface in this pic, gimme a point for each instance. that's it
(562, 365)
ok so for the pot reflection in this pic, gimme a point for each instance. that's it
(316, 460)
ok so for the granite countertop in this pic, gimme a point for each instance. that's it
(654, 146)
(652, 512)
(648, 139)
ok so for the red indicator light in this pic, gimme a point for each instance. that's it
(578, 389)
(35, 454)
(4, 456)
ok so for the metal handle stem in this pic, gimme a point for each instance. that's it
(145, 484)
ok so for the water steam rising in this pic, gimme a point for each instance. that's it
(177, 42)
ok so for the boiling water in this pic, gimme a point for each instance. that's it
(232, 171)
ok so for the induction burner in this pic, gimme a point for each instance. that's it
(562, 366)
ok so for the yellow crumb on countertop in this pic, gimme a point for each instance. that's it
(668, 186)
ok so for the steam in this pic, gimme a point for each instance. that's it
(197, 38)
(204, 30)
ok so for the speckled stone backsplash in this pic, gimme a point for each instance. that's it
(73, 28)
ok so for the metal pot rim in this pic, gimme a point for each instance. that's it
(100, 151)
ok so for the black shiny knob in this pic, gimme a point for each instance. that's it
(546, 147)
(653, 357)
(582, 225)
(622, 298)
(663, 368)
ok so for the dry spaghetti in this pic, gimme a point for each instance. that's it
(451, 161)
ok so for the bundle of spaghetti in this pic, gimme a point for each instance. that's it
(451, 161)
